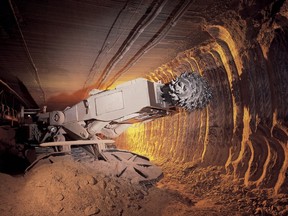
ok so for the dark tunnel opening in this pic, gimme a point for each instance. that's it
(12, 164)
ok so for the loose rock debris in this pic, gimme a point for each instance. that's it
(67, 188)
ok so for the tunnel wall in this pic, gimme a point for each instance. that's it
(244, 128)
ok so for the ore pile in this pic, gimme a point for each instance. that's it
(69, 188)
(228, 195)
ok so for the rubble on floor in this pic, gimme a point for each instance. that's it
(67, 188)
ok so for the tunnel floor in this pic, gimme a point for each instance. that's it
(65, 187)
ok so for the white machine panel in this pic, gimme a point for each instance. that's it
(109, 103)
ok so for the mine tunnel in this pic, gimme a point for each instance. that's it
(229, 157)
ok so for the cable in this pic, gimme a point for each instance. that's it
(118, 37)
(151, 13)
(14, 92)
(175, 15)
(37, 78)
(104, 43)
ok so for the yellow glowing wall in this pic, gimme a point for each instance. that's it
(233, 131)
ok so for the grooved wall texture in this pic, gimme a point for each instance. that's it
(245, 126)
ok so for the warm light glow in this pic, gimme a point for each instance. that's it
(219, 50)
(221, 33)
(265, 166)
(284, 168)
(206, 139)
(136, 142)
(192, 137)
(244, 143)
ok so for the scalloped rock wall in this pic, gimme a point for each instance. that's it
(245, 127)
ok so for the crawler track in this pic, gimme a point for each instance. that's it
(121, 163)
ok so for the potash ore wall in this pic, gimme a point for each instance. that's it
(245, 126)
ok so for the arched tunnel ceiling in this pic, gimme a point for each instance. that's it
(58, 48)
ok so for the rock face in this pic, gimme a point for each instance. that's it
(244, 128)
